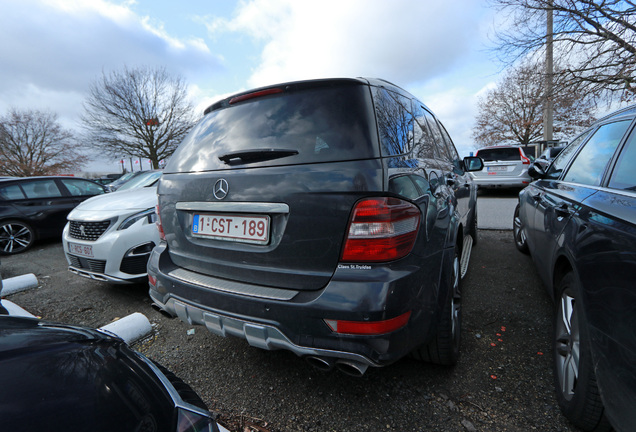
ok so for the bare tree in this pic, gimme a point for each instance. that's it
(594, 41)
(512, 112)
(33, 143)
(139, 112)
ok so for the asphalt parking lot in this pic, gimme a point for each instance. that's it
(503, 381)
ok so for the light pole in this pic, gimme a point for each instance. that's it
(548, 106)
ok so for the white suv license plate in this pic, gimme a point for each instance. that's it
(497, 168)
(244, 229)
(79, 249)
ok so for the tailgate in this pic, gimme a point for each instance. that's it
(278, 226)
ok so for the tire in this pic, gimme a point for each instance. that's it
(574, 379)
(519, 233)
(15, 237)
(444, 348)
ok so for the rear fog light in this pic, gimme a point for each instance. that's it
(369, 327)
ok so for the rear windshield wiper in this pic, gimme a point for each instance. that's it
(256, 155)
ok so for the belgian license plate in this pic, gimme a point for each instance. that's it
(238, 228)
(79, 249)
(497, 168)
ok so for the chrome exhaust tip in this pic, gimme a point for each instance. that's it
(322, 363)
(351, 367)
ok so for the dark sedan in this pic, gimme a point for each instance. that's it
(33, 208)
(64, 378)
(578, 222)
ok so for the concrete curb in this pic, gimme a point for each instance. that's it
(19, 283)
(130, 328)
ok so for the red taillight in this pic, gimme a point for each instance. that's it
(524, 160)
(381, 229)
(254, 95)
(162, 235)
(369, 327)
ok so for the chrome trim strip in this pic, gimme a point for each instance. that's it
(258, 335)
(239, 207)
(232, 287)
(622, 192)
(101, 277)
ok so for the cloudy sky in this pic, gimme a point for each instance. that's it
(52, 50)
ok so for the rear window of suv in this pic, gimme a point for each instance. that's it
(500, 154)
(302, 125)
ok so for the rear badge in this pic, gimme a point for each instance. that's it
(354, 267)
(221, 189)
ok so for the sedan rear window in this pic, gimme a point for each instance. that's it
(320, 124)
(500, 154)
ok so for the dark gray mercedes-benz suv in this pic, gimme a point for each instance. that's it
(332, 218)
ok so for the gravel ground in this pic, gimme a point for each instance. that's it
(503, 381)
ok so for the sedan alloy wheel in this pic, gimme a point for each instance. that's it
(15, 237)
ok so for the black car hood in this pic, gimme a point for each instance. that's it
(55, 377)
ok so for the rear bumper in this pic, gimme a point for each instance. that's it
(485, 181)
(271, 318)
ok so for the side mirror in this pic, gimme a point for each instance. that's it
(538, 169)
(473, 163)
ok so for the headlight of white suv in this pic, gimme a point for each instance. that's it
(129, 221)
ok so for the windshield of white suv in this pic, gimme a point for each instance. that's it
(500, 154)
(142, 180)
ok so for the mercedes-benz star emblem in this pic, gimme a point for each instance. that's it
(221, 188)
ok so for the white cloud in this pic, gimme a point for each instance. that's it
(401, 40)
(56, 48)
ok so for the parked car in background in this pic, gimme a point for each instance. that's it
(109, 237)
(504, 167)
(58, 377)
(114, 185)
(33, 208)
(144, 179)
(332, 218)
(578, 222)
(550, 153)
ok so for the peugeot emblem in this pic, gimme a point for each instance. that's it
(221, 189)
(82, 230)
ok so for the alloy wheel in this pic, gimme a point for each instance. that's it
(568, 344)
(456, 300)
(15, 237)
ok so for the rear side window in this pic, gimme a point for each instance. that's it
(559, 164)
(11, 192)
(504, 154)
(318, 124)
(624, 176)
(424, 143)
(449, 151)
(79, 187)
(591, 162)
(395, 122)
(41, 189)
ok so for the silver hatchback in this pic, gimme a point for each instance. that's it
(504, 167)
